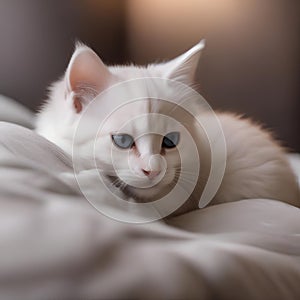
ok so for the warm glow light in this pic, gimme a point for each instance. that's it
(172, 24)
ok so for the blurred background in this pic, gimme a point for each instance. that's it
(251, 64)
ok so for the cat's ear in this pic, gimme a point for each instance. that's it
(86, 76)
(183, 68)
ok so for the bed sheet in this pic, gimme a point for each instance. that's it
(55, 245)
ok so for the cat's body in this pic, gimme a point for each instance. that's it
(148, 163)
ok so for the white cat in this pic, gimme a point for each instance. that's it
(143, 157)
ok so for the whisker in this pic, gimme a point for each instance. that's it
(200, 179)
(188, 172)
(183, 179)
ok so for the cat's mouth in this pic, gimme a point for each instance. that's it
(143, 195)
(131, 192)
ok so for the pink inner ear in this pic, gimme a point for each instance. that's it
(86, 75)
(77, 104)
(183, 67)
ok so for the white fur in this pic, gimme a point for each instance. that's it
(256, 165)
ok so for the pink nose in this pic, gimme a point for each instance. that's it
(150, 174)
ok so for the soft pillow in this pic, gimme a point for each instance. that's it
(55, 245)
(14, 112)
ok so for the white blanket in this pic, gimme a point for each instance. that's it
(55, 245)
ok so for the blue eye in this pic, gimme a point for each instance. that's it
(170, 140)
(123, 141)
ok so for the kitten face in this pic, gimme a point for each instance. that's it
(146, 163)
(139, 146)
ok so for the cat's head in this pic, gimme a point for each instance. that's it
(127, 118)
